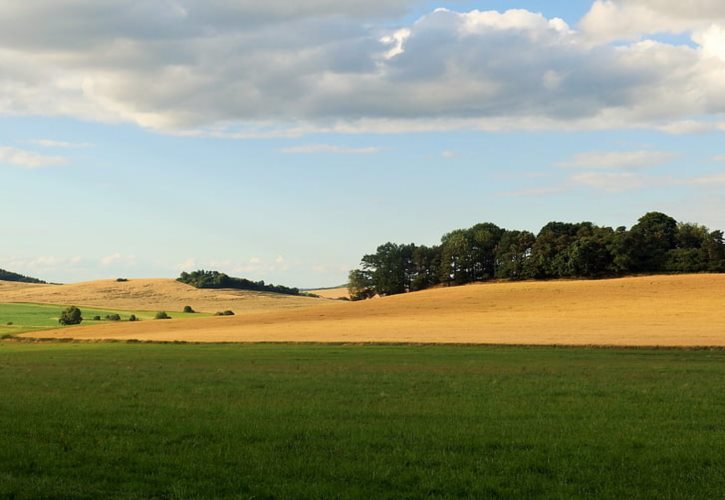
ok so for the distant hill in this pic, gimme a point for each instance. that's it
(150, 295)
(8, 276)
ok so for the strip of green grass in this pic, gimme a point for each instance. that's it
(38, 317)
(149, 420)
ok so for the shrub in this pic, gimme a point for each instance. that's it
(121, 280)
(133, 318)
(189, 309)
(162, 315)
(10, 323)
(70, 316)
(96, 318)
(113, 317)
(224, 313)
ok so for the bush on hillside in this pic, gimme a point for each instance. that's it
(70, 316)
(113, 317)
(224, 313)
(189, 309)
(133, 318)
(162, 315)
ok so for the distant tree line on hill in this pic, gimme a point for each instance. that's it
(656, 244)
(8, 276)
(215, 279)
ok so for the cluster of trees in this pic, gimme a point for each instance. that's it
(8, 276)
(215, 279)
(656, 244)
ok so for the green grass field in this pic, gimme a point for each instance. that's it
(151, 420)
(39, 317)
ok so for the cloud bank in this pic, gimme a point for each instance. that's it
(250, 69)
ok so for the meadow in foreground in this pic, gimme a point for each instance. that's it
(152, 420)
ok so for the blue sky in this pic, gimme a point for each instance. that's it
(285, 149)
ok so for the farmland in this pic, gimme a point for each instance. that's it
(681, 310)
(148, 294)
(150, 420)
(36, 318)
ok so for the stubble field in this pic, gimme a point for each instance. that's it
(639, 311)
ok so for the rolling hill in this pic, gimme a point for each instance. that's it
(332, 293)
(150, 294)
(685, 310)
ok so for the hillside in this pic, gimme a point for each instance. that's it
(682, 310)
(331, 293)
(149, 294)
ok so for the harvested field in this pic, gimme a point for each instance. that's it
(332, 293)
(640, 311)
(149, 294)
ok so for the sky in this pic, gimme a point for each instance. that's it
(283, 140)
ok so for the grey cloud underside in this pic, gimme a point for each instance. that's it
(325, 64)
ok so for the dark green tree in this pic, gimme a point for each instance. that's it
(484, 240)
(456, 258)
(71, 316)
(513, 255)
(650, 239)
(360, 285)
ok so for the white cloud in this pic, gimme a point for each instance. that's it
(618, 159)
(29, 159)
(718, 158)
(631, 19)
(329, 148)
(711, 180)
(448, 154)
(117, 259)
(691, 127)
(39, 266)
(243, 69)
(187, 265)
(610, 181)
(50, 143)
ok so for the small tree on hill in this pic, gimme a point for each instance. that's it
(162, 315)
(70, 316)
(189, 309)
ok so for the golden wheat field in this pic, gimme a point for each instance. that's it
(150, 295)
(639, 311)
(332, 293)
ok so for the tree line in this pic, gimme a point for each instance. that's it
(9, 276)
(656, 244)
(215, 279)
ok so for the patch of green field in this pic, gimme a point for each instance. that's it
(151, 420)
(38, 317)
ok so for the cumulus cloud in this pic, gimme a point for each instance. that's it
(618, 159)
(28, 159)
(277, 68)
(632, 19)
(329, 148)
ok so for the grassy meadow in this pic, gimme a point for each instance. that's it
(285, 420)
(24, 318)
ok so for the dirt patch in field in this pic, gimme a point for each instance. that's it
(642, 311)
